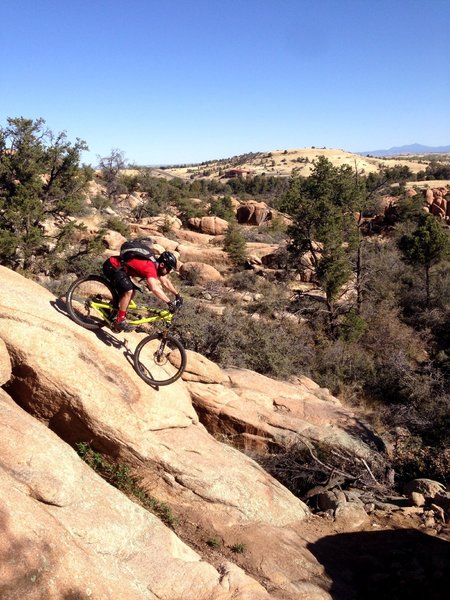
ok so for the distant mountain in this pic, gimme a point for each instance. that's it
(411, 149)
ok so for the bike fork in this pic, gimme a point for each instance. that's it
(162, 345)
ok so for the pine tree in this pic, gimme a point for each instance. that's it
(427, 245)
(234, 245)
(323, 207)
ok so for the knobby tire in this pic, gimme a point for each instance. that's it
(174, 358)
(79, 294)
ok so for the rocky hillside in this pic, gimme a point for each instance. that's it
(234, 532)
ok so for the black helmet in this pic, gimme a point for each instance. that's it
(168, 260)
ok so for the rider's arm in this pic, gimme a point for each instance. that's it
(168, 285)
(155, 287)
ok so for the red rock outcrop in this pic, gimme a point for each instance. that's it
(253, 213)
(437, 202)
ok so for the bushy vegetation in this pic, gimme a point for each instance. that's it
(435, 170)
(234, 245)
(236, 339)
(40, 178)
(379, 338)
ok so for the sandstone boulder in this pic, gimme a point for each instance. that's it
(253, 213)
(194, 237)
(429, 196)
(155, 225)
(209, 225)
(164, 242)
(214, 257)
(199, 273)
(261, 249)
(427, 487)
(113, 240)
(351, 516)
(437, 211)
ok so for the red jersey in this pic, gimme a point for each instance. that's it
(136, 267)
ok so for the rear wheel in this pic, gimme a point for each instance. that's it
(80, 296)
(160, 359)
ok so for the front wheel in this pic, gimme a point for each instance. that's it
(160, 359)
(90, 301)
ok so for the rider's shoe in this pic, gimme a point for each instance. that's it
(122, 326)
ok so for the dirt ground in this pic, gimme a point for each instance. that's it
(393, 556)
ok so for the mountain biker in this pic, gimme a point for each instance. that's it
(154, 270)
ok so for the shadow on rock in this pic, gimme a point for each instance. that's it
(26, 567)
(396, 564)
(104, 336)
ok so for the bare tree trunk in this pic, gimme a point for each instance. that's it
(427, 284)
(331, 319)
(359, 292)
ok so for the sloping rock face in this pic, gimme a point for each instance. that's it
(212, 256)
(66, 533)
(80, 384)
(260, 414)
(5, 363)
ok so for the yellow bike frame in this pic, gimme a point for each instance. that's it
(154, 314)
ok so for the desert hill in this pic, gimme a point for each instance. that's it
(281, 163)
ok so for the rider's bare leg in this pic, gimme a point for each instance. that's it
(125, 300)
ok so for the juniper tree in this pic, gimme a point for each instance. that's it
(324, 206)
(40, 176)
(426, 246)
(234, 245)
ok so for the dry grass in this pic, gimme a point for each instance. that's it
(284, 162)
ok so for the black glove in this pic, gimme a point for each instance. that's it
(175, 304)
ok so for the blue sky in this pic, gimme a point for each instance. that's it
(184, 81)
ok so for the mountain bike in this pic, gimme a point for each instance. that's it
(159, 358)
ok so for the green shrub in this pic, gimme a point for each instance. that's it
(100, 202)
(234, 245)
(223, 208)
(238, 548)
(119, 225)
(244, 281)
(119, 476)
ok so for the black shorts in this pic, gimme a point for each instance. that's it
(118, 277)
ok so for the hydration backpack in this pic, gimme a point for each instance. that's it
(136, 249)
